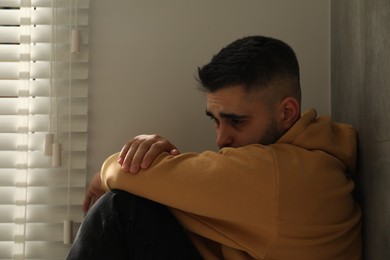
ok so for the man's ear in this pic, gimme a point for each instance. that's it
(290, 112)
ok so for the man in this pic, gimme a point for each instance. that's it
(279, 188)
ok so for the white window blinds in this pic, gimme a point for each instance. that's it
(43, 96)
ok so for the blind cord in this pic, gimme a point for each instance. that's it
(49, 137)
(26, 170)
(75, 35)
(68, 224)
(56, 157)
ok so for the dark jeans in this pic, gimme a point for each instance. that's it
(123, 226)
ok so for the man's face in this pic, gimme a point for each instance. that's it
(242, 118)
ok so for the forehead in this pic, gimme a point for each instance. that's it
(233, 100)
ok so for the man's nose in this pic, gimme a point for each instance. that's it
(224, 137)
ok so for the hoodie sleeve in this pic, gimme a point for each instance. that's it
(208, 184)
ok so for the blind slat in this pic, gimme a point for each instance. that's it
(9, 159)
(57, 177)
(44, 16)
(41, 105)
(41, 51)
(82, 4)
(40, 123)
(9, 17)
(9, 35)
(9, 53)
(41, 87)
(10, 3)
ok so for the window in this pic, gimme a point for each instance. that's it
(43, 103)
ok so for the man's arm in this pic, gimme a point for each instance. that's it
(138, 153)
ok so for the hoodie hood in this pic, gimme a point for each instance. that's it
(321, 133)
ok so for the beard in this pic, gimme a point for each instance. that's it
(272, 134)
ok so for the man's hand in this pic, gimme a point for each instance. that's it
(95, 191)
(137, 154)
(140, 152)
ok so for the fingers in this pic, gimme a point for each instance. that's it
(123, 152)
(140, 152)
(134, 156)
(175, 151)
(152, 152)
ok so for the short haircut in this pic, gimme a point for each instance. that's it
(254, 62)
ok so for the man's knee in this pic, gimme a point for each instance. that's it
(126, 206)
(128, 225)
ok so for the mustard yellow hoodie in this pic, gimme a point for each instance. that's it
(289, 200)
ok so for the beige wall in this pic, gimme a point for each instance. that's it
(144, 56)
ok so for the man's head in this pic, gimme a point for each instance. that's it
(253, 91)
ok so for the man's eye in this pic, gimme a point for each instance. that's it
(236, 122)
(214, 119)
